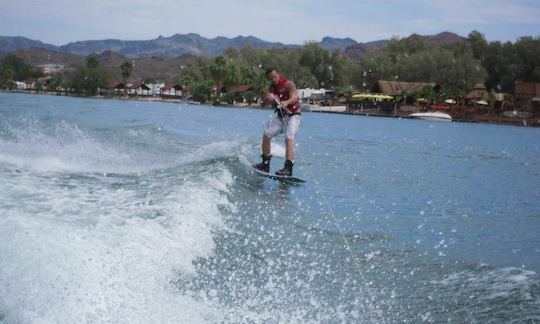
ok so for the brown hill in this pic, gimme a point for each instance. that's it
(358, 50)
(153, 68)
(443, 38)
(37, 56)
(163, 69)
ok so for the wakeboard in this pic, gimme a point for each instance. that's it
(287, 179)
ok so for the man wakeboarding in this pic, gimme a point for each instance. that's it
(282, 94)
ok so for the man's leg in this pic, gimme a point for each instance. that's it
(266, 145)
(289, 153)
(265, 164)
(291, 130)
(271, 129)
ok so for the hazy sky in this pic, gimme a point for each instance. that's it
(294, 22)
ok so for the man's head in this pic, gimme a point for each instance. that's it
(272, 76)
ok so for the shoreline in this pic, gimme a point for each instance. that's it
(480, 119)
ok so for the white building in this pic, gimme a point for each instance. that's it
(51, 68)
(25, 85)
(155, 88)
(308, 93)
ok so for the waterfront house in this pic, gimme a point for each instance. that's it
(155, 88)
(21, 85)
(116, 88)
(29, 84)
(138, 89)
(171, 91)
(527, 97)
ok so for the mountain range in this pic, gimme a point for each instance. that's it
(163, 57)
(193, 44)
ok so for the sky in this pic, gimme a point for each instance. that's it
(59, 22)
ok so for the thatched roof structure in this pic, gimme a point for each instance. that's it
(478, 92)
(397, 88)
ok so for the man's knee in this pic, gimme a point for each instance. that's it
(266, 135)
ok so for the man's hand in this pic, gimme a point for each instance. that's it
(281, 106)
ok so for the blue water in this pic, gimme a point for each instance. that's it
(142, 212)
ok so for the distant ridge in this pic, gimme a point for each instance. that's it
(330, 43)
(175, 45)
(194, 44)
(444, 38)
(10, 44)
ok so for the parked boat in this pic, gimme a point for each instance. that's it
(516, 114)
(432, 115)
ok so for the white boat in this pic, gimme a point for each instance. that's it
(317, 108)
(432, 115)
(516, 114)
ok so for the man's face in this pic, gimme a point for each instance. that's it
(273, 77)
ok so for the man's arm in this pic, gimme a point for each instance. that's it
(268, 96)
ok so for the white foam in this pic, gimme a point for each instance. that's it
(215, 150)
(64, 147)
(278, 150)
(94, 254)
(491, 284)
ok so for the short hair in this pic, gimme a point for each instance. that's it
(269, 70)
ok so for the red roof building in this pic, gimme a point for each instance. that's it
(527, 97)
(171, 90)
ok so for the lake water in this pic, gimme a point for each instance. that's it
(143, 212)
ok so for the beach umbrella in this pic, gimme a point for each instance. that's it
(482, 103)
(377, 96)
(359, 96)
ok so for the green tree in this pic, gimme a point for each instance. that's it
(20, 69)
(219, 70)
(478, 44)
(229, 97)
(193, 72)
(16, 65)
(317, 60)
(55, 83)
(527, 52)
(88, 79)
(92, 61)
(7, 75)
(250, 96)
(231, 53)
(251, 56)
(201, 91)
(127, 68)
(372, 68)
(39, 86)
(399, 49)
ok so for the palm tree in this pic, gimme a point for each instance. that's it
(127, 69)
(219, 70)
